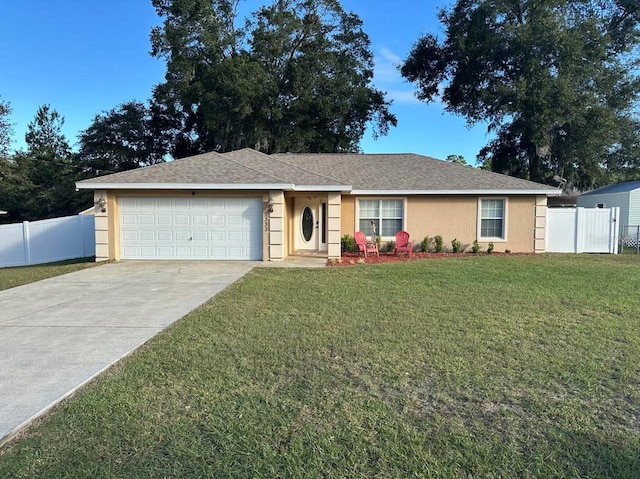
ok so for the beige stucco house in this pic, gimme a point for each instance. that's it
(249, 205)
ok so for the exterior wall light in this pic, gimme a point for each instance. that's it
(270, 204)
(101, 204)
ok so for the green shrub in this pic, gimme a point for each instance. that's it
(475, 249)
(507, 251)
(388, 246)
(490, 248)
(348, 244)
(456, 245)
(425, 245)
(439, 243)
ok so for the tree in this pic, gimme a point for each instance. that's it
(48, 166)
(16, 188)
(39, 182)
(5, 129)
(296, 76)
(123, 138)
(554, 79)
(458, 159)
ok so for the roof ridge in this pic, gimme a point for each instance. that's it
(338, 182)
(249, 167)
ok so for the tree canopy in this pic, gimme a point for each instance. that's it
(39, 183)
(5, 128)
(295, 76)
(124, 138)
(555, 80)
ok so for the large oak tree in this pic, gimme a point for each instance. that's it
(555, 80)
(123, 138)
(295, 76)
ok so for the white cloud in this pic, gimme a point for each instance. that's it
(386, 66)
(389, 56)
(387, 77)
(402, 96)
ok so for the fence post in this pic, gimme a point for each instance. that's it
(579, 237)
(26, 243)
(81, 226)
(637, 239)
(614, 231)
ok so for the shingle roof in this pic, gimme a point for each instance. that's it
(406, 172)
(360, 173)
(617, 188)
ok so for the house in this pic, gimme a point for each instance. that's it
(248, 205)
(624, 195)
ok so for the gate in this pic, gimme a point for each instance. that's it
(582, 230)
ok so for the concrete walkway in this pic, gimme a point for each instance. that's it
(58, 334)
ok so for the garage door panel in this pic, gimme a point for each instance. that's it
(148, 251)
(129, 219)
(129, 251)
(200, 252)
(199, 220)
(218, 220)
(164, 251)
(146, 219)
(186, 227)
(182, 219)
(165, 235)
(236, 236)
(235, 220)
(217, 235)
(200, 236)
(130, 235)
(164, 220)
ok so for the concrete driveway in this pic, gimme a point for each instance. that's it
(57, 334)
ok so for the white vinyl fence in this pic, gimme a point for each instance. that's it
(45, 241)
(582, 230)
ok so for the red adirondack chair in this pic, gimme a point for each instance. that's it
(364, 246)
(402, 243)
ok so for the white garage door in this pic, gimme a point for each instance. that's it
(190, 228)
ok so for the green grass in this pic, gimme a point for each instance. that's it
(12, 277)
(466, 367)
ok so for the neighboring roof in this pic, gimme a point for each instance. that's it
(617, 188)
(562, 201)
(403, 173)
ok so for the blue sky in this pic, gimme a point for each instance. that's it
(85, 57)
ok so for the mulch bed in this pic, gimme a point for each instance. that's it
(351, 259)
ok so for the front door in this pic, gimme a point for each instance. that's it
(310, 224)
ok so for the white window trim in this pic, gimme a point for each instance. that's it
(505, 222)
(404, 212)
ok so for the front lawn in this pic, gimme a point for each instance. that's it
(511, 366)
(12, 277)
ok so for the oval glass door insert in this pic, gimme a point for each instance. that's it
(307, 223)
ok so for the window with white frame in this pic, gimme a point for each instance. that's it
(492, 218)
(386, 215)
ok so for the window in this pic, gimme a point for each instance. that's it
(386, 215)
(492, 218)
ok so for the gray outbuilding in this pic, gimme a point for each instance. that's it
(624, 195)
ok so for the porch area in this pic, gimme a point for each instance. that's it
(304, 225)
